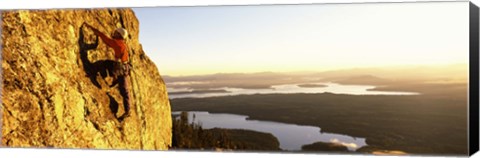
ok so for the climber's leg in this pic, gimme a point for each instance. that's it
(123, 81)
(124, 91)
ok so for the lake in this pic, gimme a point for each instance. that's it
(290, 136)
(283, 89)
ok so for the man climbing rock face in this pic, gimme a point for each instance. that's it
(121, 70)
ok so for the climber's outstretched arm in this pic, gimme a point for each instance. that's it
(104, 38)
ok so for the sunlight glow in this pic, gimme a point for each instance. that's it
(287, 38)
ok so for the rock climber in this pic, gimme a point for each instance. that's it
(121, 70)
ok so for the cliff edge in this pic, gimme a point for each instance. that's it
(57, 90)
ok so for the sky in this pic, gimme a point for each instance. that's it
(288, 38)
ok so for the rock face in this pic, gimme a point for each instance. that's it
(57, 90)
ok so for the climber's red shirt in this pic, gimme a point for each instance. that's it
(118, 45)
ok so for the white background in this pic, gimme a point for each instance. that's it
(74, 153)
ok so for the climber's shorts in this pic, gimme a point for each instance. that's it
(121, 69)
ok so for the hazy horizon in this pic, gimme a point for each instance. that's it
(184, 41)
(464, 66)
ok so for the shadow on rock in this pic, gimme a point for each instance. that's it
(113, 104)
(102, 67)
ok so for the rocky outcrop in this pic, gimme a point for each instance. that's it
(57, 90)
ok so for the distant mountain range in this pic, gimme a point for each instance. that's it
(362, 76)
